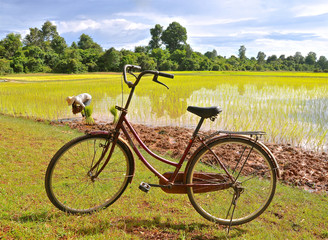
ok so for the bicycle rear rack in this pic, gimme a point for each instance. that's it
(249, 133)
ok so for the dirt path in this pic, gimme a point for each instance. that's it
(299, 167)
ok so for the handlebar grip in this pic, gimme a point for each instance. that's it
(136, 67)
(167, 75)
(128, 66)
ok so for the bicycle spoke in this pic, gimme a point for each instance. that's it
(70, 184)
(254, 175)
(252, 181)
(241, 156)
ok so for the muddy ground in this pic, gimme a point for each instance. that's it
(298, 167)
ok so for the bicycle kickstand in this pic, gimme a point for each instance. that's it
(234, 203)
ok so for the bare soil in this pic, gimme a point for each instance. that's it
(298, 167)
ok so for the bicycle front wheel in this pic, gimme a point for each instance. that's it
(243, 196)
(69, 182)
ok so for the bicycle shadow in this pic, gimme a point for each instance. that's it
(156, 227)
(195, 229)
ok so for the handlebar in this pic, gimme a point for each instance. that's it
(128, 68)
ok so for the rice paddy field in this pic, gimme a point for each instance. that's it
(291, 107)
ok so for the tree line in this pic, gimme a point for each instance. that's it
(44, 50)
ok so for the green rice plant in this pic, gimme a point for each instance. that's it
(114, 112)
(88, 118)
(290, 107)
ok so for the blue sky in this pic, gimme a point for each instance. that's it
(274, 27)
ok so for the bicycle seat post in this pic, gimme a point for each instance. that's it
(198, 127)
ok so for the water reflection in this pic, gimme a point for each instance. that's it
(293, 114)
(289, 109)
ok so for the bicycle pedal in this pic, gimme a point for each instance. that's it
(144, 187)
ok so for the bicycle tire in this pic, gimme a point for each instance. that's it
(68, 181)
(256, 180)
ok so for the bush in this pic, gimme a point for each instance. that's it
(5, 67)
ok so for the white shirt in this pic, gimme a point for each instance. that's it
(79, 99)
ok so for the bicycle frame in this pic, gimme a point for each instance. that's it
(124, 126)
(120, 126)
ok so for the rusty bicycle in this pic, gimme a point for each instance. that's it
(230, 178)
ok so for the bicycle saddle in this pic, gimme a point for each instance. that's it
(205, 112)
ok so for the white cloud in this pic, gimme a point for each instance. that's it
(154, 18)
(204, 21)
(289, 47)
(103, 25)
(274, 27)
(76, 26)
(312, 9)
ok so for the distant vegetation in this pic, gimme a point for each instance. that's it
(44, 50)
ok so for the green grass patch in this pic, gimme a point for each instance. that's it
(26, 148)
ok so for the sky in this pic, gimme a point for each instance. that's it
(271, 26)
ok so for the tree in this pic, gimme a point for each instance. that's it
(140, 49)
(261, 58)
(282, 57)
(41, 38)
(70, 62)
(128, 57)
(58, 44)
(272, 59)
(74, 45)
(323, 63)
(90, 58)
(48, 31)
(87, 42)
(160, 55)
(178, 56)
(174, 37)
(110, 60)
(10, 45)
(33, 38)
(299, 59)
(18, 61)
(206, 64)
(242, 53)
(146, 62)
(233, 61)
(35, 59)
(156, 34)
(311, 58)
(211, 55)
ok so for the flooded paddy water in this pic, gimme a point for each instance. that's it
(291, 108)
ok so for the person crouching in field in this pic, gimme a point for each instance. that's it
(79, 102)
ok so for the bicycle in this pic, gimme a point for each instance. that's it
(230, 178)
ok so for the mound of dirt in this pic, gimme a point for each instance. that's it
(298, 167)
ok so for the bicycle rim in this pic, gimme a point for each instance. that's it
(68, 179)
(248, 197)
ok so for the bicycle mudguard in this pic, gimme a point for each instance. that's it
(238, 135)
(125, 146)
(98, 133)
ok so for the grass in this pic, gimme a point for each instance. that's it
(26, 213)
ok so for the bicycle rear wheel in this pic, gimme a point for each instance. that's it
(246, 196)
(68, 181)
